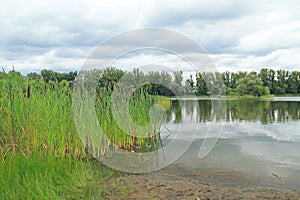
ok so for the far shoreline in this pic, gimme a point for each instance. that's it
(232, 97)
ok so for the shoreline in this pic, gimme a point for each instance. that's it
(230, 97)
(165, 184)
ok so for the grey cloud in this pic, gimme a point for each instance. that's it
(72, 52)
(72, 31)
(21, 52)
(171, 15)
(157, 38)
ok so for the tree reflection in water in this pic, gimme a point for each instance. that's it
(263, 111)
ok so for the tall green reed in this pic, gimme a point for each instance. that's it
(139, 106)
(41, 154)
(37, 117)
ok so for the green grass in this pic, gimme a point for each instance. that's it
(41, 154)
(39, 177)
(233, 96)
(164, 102)
(42, 123)
(249, 96)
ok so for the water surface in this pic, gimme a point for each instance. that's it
(258, 137)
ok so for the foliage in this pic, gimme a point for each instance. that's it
(50, 75)
(41, 155)
(267, 81)
(34, 76)
(251, 84)
(202, 84)
(36, 116)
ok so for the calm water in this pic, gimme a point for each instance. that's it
(254, 138)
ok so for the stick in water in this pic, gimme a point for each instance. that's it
(279, 178)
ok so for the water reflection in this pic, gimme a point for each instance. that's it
(264, 111)
(259, 137)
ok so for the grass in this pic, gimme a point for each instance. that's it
(123, 118)
(164, 102)
(136, 109)
(41, 154)
(38, 177)
(233, 96)
(250, 96)
(42, 123)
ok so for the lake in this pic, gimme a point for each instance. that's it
(246, 139)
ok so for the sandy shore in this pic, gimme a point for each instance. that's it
(165, 185)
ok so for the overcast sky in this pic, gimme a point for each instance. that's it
(237, 35)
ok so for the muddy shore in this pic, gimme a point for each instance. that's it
(176, 184)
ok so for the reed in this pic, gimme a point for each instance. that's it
(139, 105)
(41, 154)
(39, 117)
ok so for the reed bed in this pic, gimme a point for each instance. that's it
(140, 135)
(137, 127)
(37, 118)
(41, 154)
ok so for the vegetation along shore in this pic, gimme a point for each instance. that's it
(43, 157)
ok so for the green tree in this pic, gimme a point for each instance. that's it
(71, 76)
(177, 83)
(201, 84)
(178, 77)
(263, 74)
(292, 81)
(48, 75)
(214, 83)
(189, 85)
(235, 77)
(272, 81)
(34, 76)
(282, 85)
(251, 84)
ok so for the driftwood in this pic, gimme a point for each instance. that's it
(279, 178)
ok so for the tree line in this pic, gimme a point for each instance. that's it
(264, 82)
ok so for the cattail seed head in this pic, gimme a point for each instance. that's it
(28, 90)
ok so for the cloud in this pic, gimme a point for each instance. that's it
(177, 13)
(276, 37)
(234, 33)
(47, 60)
(287, 59)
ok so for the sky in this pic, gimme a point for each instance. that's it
(236, 35)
